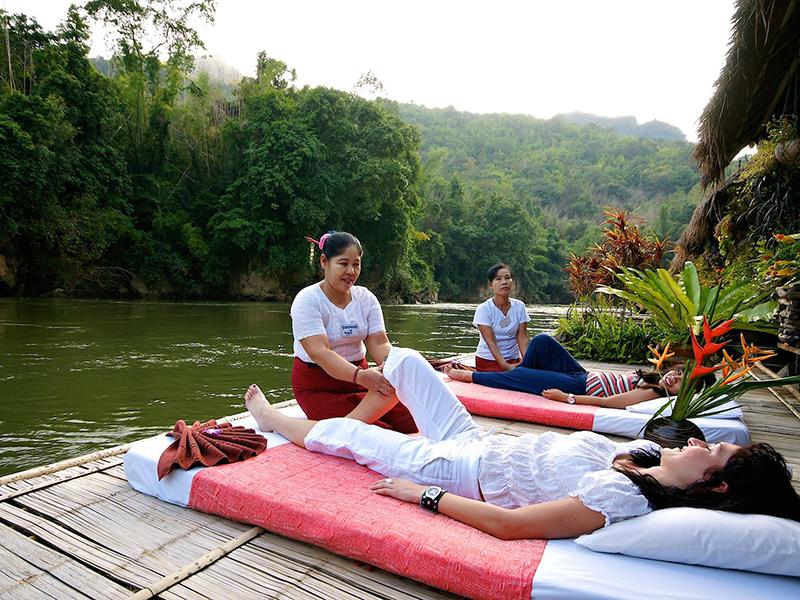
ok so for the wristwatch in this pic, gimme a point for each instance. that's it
(430, 498)
(570, 398)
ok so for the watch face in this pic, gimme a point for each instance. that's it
(432, 492)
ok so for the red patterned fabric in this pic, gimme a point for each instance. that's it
(491, 366)
(507, 404)
(323, 397)
(325, 501)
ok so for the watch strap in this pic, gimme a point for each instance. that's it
(431, 504)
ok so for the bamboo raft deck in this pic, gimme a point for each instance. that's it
(77, 530)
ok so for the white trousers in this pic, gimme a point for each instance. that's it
(447, 451)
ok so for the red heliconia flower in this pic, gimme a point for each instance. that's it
(710, 333)
(711, 349)
(708, 349)
(700, 370)
(696, 349)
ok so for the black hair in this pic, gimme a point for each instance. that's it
(339, 241)
(491, 273)
(651, 380)
(757, 477)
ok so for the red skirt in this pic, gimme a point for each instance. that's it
(491, 366)
(323, 397)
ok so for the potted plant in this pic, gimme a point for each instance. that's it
(692, 402)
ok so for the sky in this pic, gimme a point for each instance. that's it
(647, 58)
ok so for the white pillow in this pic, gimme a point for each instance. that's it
(732, 410)
(699, 536)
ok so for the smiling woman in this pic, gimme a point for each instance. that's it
(334, 323)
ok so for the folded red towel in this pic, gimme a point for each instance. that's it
(209, 444)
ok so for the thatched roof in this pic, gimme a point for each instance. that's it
(700, 230)
(760, 80)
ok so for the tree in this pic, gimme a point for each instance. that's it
(63, 194)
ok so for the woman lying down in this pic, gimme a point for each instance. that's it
(532, 486)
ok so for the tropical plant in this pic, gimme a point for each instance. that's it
(779, 262)
(599, 331)
(689, 403)
(679, 305)
(624, 245)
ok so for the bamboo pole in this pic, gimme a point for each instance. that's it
(782, 400)
(64, 464)
(201, 563)
(106, 453)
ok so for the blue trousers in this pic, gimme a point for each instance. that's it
(546, 364)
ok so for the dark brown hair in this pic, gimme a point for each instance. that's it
(758, 480)
(339, 241)
(491, 272)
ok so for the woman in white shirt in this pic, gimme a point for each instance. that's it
(335, 323)
(534, 486)
(502, 322)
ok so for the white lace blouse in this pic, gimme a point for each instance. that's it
(529, 469)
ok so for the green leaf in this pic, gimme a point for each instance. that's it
(691, 283)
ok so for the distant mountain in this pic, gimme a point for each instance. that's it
(654, 130)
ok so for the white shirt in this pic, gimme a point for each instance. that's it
(505, 327)
(347, 328)
(518, 471)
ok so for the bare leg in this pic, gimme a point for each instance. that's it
(269, 419)
(372, 407)
(458, 374)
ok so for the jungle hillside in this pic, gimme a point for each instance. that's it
(146, 175)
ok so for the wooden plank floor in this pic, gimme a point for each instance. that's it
(83, 532)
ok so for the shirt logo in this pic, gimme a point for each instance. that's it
(349, 328)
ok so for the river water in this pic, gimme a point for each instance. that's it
(80, 375)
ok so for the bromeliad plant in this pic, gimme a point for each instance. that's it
(679, 306)
(690, 402)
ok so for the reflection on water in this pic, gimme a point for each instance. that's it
(80, 375)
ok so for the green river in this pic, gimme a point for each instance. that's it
(80, 375)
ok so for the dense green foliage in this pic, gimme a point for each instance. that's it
(65, 189)
(135, 176)
(559, 174)
(598, 331)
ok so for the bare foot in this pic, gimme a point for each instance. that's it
(458, 374)
(261, 410)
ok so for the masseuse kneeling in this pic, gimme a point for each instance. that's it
(335, 322)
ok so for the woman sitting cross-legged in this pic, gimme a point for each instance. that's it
(533, 486)
(550, 370)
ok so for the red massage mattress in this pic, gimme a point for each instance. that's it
(326, 501)
(507, 404)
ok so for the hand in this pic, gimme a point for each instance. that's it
(400, 489)
(508, 366)
(554, 394)
(373, 380)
